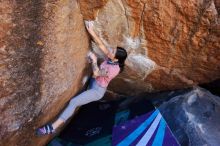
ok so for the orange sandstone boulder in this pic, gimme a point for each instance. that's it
(42, 65)
(171, 44)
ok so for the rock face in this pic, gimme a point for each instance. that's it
(42, 63)
(171, 44)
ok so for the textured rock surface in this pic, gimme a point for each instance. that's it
(42, 61)
(172, 44)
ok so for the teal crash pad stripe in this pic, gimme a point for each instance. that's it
(122, 116)
(158, 140)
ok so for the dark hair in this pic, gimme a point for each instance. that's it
(121, 55)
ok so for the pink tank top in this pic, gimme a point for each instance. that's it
(112, 71)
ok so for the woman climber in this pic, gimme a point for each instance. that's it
(102, 75)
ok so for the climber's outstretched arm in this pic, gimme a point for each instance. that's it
(101, 45)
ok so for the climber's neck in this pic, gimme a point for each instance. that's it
(113, 60)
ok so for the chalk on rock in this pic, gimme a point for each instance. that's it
(84, 80)
(89, 23)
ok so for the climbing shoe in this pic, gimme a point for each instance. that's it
(45, 130)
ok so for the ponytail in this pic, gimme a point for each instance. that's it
(121, 64)
(121, 55)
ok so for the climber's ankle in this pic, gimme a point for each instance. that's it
(58, 123)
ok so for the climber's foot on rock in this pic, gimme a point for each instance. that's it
(45, 130)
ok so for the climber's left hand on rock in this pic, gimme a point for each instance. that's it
(93, 57)
(89, 26)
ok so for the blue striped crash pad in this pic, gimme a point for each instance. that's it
(147, 130)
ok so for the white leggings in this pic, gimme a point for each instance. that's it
(95, 93)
